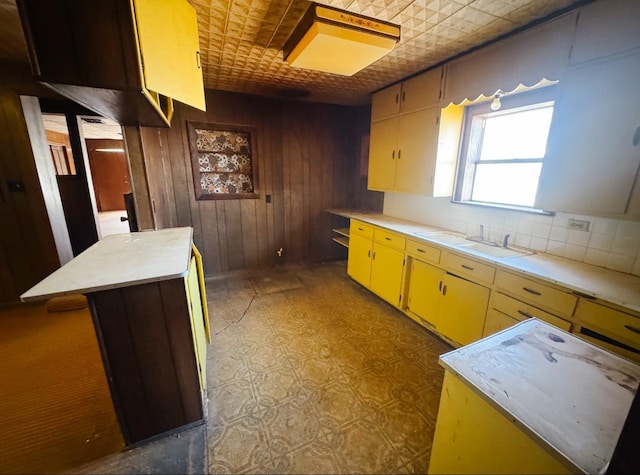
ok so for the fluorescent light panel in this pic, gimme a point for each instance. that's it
(339, 42)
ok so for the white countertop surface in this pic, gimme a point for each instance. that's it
(120, 260)
(565, 392)
(605, 284)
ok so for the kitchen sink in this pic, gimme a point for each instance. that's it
(495, 251)
(446, 237)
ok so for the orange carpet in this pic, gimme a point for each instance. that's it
(55, 407)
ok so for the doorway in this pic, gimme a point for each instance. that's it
(108, 172)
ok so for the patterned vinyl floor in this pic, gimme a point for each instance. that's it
(308, 372)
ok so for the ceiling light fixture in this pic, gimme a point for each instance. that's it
(339, 42)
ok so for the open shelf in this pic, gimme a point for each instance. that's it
(344, 241)
(342, 231)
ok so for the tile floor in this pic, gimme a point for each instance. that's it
(308, 372)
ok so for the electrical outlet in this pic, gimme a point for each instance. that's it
(578, 224)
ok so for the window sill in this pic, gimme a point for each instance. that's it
(522, 209)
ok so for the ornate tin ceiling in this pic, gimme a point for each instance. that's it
(241, 41)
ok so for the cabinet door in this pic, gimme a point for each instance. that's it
(382, 155)
(421, 91)
(593, 150)
(359, 261)
(462, 309)
(606, 28)
(416, 155)
(386, 103)
(197, 321)
(386, 273)
(423, 290)
(170, 49)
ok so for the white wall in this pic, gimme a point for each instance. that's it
(610, 243)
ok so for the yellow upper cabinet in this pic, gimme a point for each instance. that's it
(414, 143)
(170, 49)
(123, 59)
(416, 93)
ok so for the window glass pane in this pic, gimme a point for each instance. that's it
(515, 135)
(506, 183)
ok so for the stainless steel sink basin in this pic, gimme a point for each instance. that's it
(495, 251)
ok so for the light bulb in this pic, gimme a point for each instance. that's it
(496, 104)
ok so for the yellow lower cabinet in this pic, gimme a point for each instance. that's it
(359, 261)
(462, 308)
(423, 291)
(472, 436)
(387, 265)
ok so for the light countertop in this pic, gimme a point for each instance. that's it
(564, 392)
(605, 284)
(120, 260)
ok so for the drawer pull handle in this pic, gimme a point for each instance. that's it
(369, 253)
(444, 290)
(531, 291)
(524, 314)
(421, 250)
(360, 229)
(387, 239)
(632, 328)
(440, 286)
(464, 266)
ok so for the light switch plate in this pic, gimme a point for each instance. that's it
(578, 224)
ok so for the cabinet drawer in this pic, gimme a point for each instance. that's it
(466, 267)
(423, 251)
(360, 228)
(520, 310)
(497, 321)
(389, 239)
(541, 295)
(612, 323)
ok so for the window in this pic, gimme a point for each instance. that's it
(223, 161)
(502, 150)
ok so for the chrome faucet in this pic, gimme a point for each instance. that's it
(505, 240)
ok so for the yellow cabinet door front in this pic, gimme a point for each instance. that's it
(387, 265)
(423, 290)
(417, 147)
(197, 321)
(170, 49)
(382, 155)
(359, 261)
(462, 309)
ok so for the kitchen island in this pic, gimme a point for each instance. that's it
(531, 399)
(148, 304)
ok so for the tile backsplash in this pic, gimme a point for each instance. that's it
(610, 243)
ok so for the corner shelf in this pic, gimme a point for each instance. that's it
(342, 237)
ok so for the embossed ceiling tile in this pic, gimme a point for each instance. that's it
(536, 9)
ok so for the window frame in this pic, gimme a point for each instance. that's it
(197, 174)
(465, 169)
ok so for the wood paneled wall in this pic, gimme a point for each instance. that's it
(27, 246)
(308, 159)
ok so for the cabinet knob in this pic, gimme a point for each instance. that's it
(636, 137)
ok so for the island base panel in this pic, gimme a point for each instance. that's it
(473, 437)
(147, 346)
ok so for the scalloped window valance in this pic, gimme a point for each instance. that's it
(524, 59)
